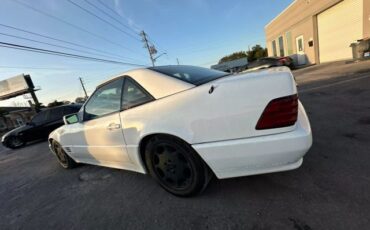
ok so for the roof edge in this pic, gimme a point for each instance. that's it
(282, 12)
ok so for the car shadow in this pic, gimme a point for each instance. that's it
(6, 150)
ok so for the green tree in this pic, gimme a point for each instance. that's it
(55, 103)
(233, 56)
(256, 52)
(80, 100)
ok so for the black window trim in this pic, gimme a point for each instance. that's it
(97, 88)
(140, 87)
(124, 77)
(195, 84)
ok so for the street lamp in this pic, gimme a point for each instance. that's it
(155, 59)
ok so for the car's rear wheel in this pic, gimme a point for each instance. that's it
(176, 166)
(15, 142)
(64, 160)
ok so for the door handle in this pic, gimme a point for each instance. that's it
(112, 126)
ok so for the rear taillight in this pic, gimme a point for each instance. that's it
(280, 112)
(283, 60)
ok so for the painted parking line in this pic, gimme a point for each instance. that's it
(333, 84)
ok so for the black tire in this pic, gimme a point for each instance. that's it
(64, 160)
(15, 142)
(176, 166)
(291, 66)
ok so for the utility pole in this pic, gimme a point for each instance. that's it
(178, 63)
(151, 49)
(35, 100)
(83, 87)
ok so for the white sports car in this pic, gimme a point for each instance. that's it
(182, 124)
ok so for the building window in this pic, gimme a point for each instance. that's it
(19, 121)
(300, 44)
(289, 43)
(281, 46)
(274, 48)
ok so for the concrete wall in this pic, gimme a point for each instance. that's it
(300, 19)
(366, 18)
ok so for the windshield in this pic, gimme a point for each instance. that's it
(191, 74)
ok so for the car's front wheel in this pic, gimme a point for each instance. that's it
(64, 160)
(15, 142)
(176, 166)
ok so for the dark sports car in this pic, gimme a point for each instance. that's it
(268, 62)
(41, 125)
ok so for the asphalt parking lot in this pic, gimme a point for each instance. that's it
(330, 191)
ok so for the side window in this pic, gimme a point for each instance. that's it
(69, 110)
(56, 114)
(105, 100)
(300, 45)
(281, 46)
(274, 52)
(40, 117)
(134, 95)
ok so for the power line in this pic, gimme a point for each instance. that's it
(64, 41)
(57, 53)
(102, 19)
(30, 67)
(50, 44)
(72, 25)
(115, 12)
(111, 17)
(148, 39)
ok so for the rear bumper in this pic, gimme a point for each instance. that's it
(259, 155)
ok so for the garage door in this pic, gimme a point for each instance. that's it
(338, 27)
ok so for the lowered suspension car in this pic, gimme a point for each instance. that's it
(183, 124)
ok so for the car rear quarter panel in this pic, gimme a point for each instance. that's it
(231, 111)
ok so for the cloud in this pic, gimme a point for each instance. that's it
(118, 7)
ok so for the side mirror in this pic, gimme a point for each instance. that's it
(70, 119)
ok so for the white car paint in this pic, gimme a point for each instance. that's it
(256, 155)
(220, 126)
(158, 85)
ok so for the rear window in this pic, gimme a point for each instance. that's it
(191, 74)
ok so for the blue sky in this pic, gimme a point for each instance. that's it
(198, 32)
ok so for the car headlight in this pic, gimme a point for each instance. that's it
(5, 136)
